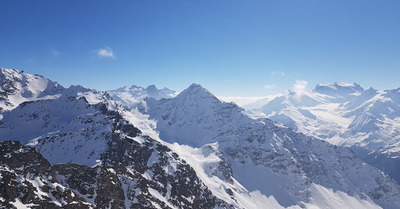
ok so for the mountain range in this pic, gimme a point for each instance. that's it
(140, 147)
(344, 114)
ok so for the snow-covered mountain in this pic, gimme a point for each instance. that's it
(98, 155)
(131, 96)
(347, 115)
(17, 87)
(339, 91)
(287, 165)
(85, 150)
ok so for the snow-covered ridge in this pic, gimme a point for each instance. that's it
(17, 87)
(338, 88)
(131, 96)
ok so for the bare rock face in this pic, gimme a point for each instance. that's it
(98, 185)
(29, 179)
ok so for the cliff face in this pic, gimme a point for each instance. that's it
(28, 179)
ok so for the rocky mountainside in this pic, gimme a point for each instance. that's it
(93, 150)
(347, 115)
(28, 180)
(84, 150)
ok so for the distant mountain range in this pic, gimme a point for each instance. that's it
(367, 121)
(153, 148)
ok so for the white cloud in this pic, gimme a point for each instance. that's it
(278, 73)
(299, 88)
(270, 86)
(106, 52)
(55, 53)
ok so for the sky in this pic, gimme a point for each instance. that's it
(231, 47)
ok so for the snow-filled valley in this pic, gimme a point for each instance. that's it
(140, 147)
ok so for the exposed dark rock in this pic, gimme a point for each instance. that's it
(28, 178)
(97, 185)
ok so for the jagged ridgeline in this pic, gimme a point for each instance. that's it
(151, 148)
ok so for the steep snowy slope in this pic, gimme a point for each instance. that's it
(346, 115)
(376, 115)
(17, 87)
(265, 156)
(374, 133)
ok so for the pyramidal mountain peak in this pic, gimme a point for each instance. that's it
(195, 87)
(193, 105)
(196, 91)
(152, 88)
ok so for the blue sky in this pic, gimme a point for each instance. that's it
(231, 47)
